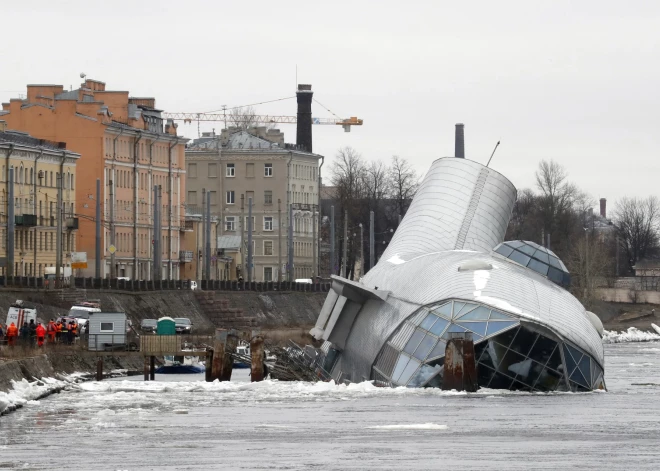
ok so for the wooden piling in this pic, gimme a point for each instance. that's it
(209, 365)
(460, 371)
(257, 357)
(146, 368)
(99, 369)
(218, 353)
(152, 368)
(228, 360)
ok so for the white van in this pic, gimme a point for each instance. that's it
(307, 281)
(80, 312)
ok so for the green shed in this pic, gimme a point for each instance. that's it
(165, 326)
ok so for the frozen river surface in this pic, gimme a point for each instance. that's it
(179, 424)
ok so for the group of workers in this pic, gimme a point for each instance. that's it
(57, 332)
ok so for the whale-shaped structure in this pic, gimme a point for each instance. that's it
(448, 269)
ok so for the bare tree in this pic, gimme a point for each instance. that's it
(243, 117)
(404, 181)
(637, 222)
(590, 264)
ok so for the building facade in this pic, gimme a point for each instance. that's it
(124, 142)
(37, 165)
(240, 166)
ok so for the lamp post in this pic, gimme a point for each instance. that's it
(361, 249)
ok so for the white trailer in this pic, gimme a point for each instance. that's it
(107, 330)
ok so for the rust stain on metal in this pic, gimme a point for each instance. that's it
(460, 371)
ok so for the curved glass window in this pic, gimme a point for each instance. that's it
(541, 260)
(508, 354)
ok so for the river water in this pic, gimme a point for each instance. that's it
(183, 423)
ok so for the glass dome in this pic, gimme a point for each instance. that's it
(538, 258)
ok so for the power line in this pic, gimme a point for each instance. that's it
(326, 108)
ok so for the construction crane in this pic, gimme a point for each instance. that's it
(190, 117)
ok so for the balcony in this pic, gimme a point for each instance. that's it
(72, 223)
(26, 220)
(186, 256)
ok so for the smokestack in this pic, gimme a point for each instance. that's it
(304, 128)
(459, 150)
(603, 207)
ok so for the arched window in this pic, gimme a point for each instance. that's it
(20, 175)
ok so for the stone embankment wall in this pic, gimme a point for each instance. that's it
(50, 365)
(272, 310)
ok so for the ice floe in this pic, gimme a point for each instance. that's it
(633, 334)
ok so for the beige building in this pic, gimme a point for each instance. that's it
(37, 166)
(256, 164)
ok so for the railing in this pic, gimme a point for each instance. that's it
(211, 285)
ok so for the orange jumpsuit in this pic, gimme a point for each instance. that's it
(52, 330)
(12, 333)
(41, 335)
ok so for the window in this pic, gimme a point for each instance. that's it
(230, 197)
(268, 247)
(268, 170)
(268, 273)
(214, 197)
(230, 223)
(107, 326)
(231, 170)
(245, 228)
(268, 197)
(192, 170)
(249, 170)
(213, 170)
(192, 197)
(268, 223)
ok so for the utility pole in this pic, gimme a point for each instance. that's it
(332, 240)
(617, 256)
(58, 235)
(372, 240)
(203, 233)
(344, 246)
(97, 258)
(314, 243)
(279, 241)
(242, 229)
(208, 237)
(11, 221)
(361, 250)
(113, 269)
(290, 270)
(586, 281)
(249, 247)
(157, 235)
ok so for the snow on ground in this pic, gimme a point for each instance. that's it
(27, 392)
(426, 426)
(631, 335)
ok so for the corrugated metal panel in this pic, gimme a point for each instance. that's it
(387, 359)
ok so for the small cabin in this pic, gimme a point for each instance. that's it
(107, 330)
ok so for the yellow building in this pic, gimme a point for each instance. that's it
(37, 166)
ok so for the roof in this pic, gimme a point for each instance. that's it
(229, 242)
(25, 139)
(237, 140)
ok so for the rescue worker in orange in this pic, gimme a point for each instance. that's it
(12, 333)
(41, 335)
(52, 330)
(60, 329)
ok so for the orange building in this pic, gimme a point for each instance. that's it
(124, 142)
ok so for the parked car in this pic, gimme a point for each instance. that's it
(148, 325)
(182, 325)
(307, 281)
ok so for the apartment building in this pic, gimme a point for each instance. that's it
(243, 165)
(37, 165)
(124, 142)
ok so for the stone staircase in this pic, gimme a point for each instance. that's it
(221, 313)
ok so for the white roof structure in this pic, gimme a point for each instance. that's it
(440, 275)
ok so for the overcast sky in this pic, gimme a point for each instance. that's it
(574, 81)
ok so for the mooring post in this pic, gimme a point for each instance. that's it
(257, 357)
(460, 371)
(146, 368)
(152, 368)
(99, 369)
(228, 359)
(218, 354)
(209, 365)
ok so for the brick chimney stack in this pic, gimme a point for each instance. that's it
(459, 149)
(603, 207)
(304, 127)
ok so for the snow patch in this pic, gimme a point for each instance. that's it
(25, 392)
(427, 426)
(633, 334)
